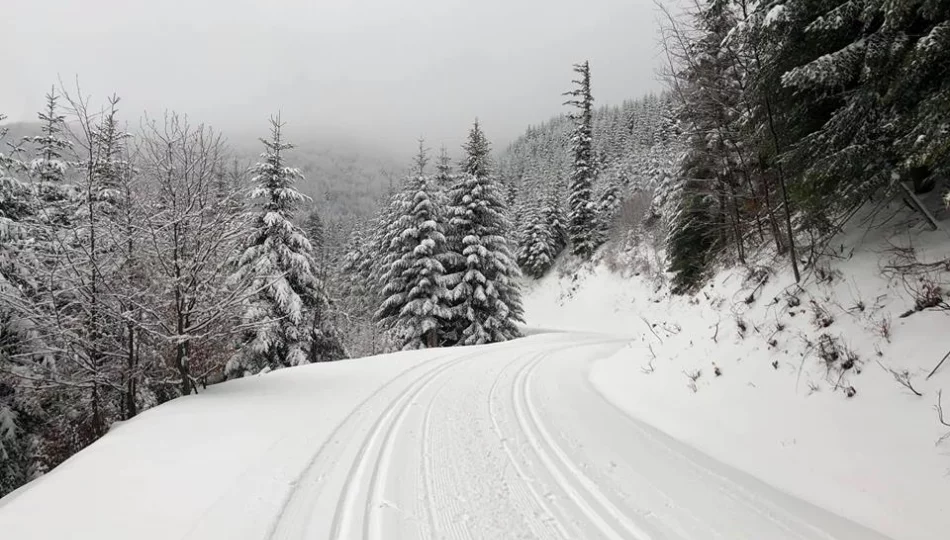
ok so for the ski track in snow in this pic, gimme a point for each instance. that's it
(504, 441)
(346, 519)
(513, 460)
(580, 488)
(293, 519)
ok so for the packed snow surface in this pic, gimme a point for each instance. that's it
(501, 441)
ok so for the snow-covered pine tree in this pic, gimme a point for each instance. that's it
(70, 370)
(49, 166)
(416, 301)
(363, 265)
(582, 227)
(486, 300)
(15, 205)
(16, 201)
(636, 138)
(316, 232)
(80, 307)
(313, 228)
(110, 164)
(380, 256)
(608, 202)
(708, 79)
(286, 297)
(553, 215)
(444, 176)
(120, 204)
(919, 85)
(520, 221)
(536, 249)
(690, 242)
(872, 79)
(511, 191)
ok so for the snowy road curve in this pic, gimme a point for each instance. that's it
(506, 441)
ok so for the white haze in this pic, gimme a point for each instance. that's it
(374, 71)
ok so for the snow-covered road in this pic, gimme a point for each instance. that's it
(504, 441)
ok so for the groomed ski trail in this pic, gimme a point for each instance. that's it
(506, 441)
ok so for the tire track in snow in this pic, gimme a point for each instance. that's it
(583, 491)
(346, 518)
(307, 486)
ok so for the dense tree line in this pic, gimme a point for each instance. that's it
(797, 113)
(782, 119)
(436, 268)
(137, 268)
(568, 178)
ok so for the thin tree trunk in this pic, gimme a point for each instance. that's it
(131, 408)
(756, 202)
(781, 180)
(722, 228)
(93, 350)
(130, 390)
(773, 221)
(98, 429)
(740, 248)
(788, 227)
(181, 350)
(781, 176)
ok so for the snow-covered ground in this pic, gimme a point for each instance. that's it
(775, 409)
(502, 441)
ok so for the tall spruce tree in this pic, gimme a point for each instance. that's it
(582, 217)
(486, 300)
(416, 301)
(49, 166)
(288, 304)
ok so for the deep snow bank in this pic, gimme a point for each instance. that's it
(772, 398)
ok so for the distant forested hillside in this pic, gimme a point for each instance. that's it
(631, 145)
(345, 180)
(634, 148)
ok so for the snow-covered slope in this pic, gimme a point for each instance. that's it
(502, 441)
(763, 399)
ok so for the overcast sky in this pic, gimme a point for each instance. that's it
(380, 71)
